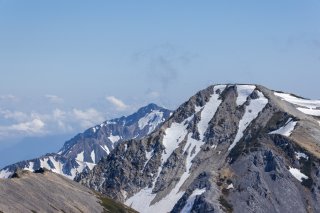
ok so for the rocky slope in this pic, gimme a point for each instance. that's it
(49, 192)
(86, 149)
(229, 148)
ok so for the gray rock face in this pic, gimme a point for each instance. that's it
(229, 148)
(86, 149)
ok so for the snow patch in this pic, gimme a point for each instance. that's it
(5, 173)
(297, 174)
(309, 107)
(114, 138)
(56, 165)
(44, 164)
(80, 168)
(148, 156)
(209, 110)
(173, 137)
(244, 91)
(252, 110)
(105, 148)
(187, 208)
(30, 167)
(153, 119)
(73, 172)
(287, 129)
(198, 109)
(80, 156)
(90, 165)
(111, 122)
(191, 144)
(230, 186)
(301, 155)
(139, 201)
(93, 156)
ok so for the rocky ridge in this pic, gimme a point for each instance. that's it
(229, 148)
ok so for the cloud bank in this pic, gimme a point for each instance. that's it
(54, 99)
(119, 104)
(21, 124)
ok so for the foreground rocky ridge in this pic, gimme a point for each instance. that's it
(45, 191)
(229, 148)
(82, 152)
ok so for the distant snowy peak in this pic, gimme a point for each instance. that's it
(86, 149)
(147, 118)
(101, 139)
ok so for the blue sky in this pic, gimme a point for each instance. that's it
(66, 65)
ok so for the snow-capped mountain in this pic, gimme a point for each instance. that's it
(229, 148)
(88, 148)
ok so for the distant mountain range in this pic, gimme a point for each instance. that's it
(229, 148)
(86, 149)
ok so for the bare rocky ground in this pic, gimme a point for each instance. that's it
(50, 192)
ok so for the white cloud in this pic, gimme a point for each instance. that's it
(21, 124)
(33, 127)
(8, 97)
(61, 119)
(27, 124)
(54, 99)
(88, 118)
(58, 114)
(153, 94)
(120, 105)
(14, 115)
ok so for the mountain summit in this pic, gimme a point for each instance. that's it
(86, 149)
(229, 148)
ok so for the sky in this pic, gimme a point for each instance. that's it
(68, 65)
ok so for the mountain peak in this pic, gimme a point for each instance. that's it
(86, 149)
(152, 106)
(226, 148)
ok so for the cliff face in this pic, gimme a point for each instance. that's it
(229, 148)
